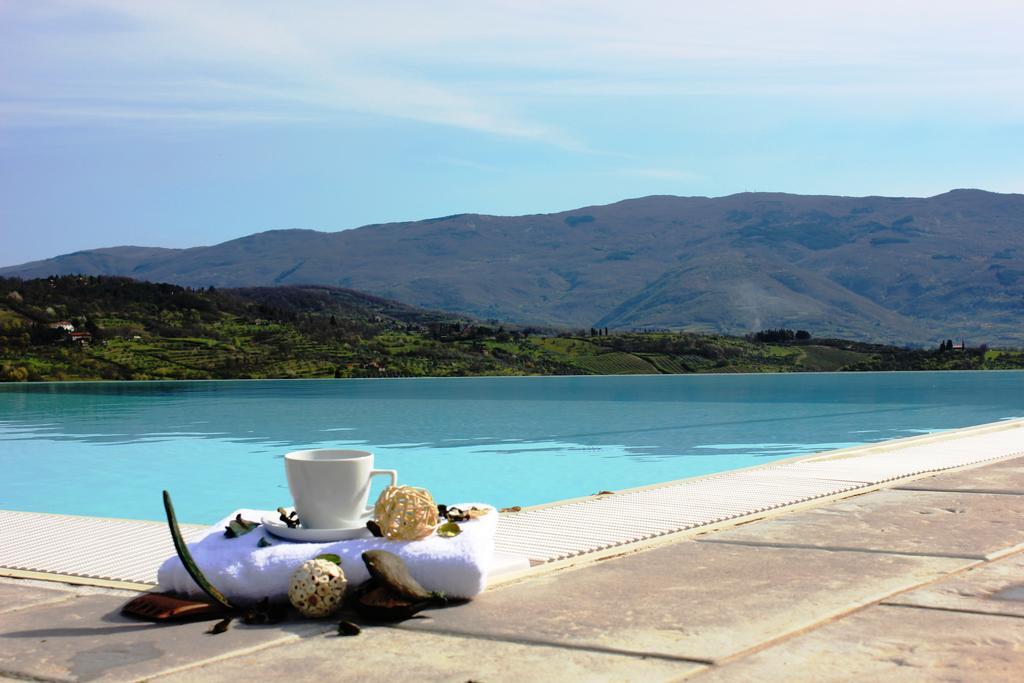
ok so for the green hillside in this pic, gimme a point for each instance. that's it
(123, 329)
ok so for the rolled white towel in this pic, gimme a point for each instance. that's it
(247, 573)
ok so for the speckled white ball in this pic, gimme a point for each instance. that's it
(317, 588)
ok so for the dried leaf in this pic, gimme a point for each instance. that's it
(239, 527)
(514, 508)
(347, 628)
(265, 612)
(604, 493)
(264, 543)
(456, 514)
(449, 530)
(442, 511)
(391, 594)
(220, 627)
(374, 528)
(291, 519)
(381, 604)
(330, 557)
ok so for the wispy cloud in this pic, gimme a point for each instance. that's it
(468, 163)
(28, 114)
(492, 67)
(677, 175)
(139, 60)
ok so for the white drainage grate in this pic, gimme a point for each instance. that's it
(571, 529)
(87, 547)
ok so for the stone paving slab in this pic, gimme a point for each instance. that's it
(86, 639)
(890, 644)
(974, 525)
(1007, 476)
(15, 596)
(699, 601)
(994, 588)
(388, 654)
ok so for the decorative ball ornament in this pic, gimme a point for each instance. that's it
(317, 588)
(405, 513)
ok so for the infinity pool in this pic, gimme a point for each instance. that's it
(109, 448)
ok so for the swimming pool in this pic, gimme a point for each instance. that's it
(109, 448)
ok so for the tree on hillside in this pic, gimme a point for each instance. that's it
(779, 335)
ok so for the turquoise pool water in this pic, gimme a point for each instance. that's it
(109, 448)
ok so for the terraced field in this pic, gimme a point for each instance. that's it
(12, 321)
(677, 364)
(616, 363)
(828, 357)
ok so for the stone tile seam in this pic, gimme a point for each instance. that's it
(950, 575)
(846, 549)
(223, 657)
(516, 640)
(956, 610)
(70, 580)
(42, 603)
(78, 575)
(18, 676)
(1003, 553)
(835, 617)
(994, 492)
(85, 572)
(881, 602)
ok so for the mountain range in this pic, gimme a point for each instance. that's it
(888, 269)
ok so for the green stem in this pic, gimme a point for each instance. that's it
(186, 557)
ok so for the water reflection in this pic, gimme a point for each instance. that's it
(108, 448)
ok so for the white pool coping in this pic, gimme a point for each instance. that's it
(126, 553)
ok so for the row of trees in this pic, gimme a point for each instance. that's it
(781, 335)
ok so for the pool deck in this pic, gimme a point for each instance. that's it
(918, 578)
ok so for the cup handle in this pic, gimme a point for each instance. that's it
(394, 482)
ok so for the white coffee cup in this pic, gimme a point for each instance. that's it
(330, 487)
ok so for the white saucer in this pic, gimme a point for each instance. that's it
(278, 528)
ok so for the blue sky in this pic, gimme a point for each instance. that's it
(187, 122)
